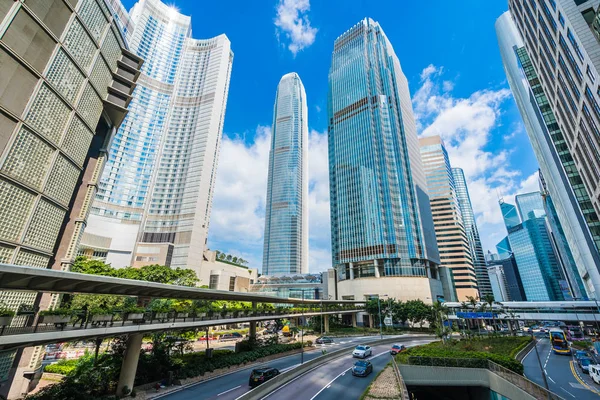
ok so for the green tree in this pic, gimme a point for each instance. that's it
(489, 300)
(417, 311)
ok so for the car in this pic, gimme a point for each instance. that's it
(203, 338)
(580, 354)
(397, 348)
(594, 371)
(362, 351)
(324, 339)
(362, 368)
(230, 336)
(261, 375)
(584, 363)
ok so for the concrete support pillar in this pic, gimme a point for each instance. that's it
(252, 331)
(326, 323)
(354, 320)
(130, 362)
(351, 270)
(376, 263)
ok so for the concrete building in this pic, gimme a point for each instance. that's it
(470, 224)
(222, 275)
(498, 283)
(453, 242)
(536, 98)
(514, 285)
(65, 85)
(155, 197)
(379, 204)
(318, 286)
(286, 216)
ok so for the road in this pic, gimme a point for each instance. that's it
(233, 385)
(334, 380)
(563, 375)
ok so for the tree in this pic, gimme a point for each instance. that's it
(228, 257)
(489, 300)
(399, 311)
(234, 259)
(473, 303)
(417, 311)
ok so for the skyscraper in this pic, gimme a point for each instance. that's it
(286, 217)
(155, 196)
(498, 283)
(533, 251)
(466, 209)
(550, 140)
(514, 285)
(65, 85)
(453, 242)
(376, 214)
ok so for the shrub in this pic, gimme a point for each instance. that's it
(63, 367)
(309, 343)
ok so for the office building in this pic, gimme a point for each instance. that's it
(286, 215)
(155, 196)
(470, 224)
(453, 242)
(552, 142)
(533, 251)
(317, 286)
(224, 275)
(498, 283)
(514, 285)
(503, 247)
(65, 85)
(377, 218)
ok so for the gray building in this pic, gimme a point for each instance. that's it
(554, 45)
(65, 84)
(511, 275)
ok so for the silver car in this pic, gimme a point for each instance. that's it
(362, 351)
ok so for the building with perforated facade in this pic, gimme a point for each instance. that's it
(155, 197)
(286, 211)
(66, 79)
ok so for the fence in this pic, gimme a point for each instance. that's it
(520, 381)
(401, 385)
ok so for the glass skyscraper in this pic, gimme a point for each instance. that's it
(286, 216)
(532, 248)
(154, 200)
(575, 214)
(375, 176)
(452, 238)
(466, 208)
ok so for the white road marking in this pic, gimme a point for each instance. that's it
(567, 392)
(227, 391)
(550, 378)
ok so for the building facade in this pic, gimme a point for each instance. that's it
(378, 243)
(512, 277)
(532, 248)
(65, 85)
(539, 108)
(470, 224)
(222, 275)
(155, 197)
(286, 216)
(498, 283)
(453, 241)
(310, 286)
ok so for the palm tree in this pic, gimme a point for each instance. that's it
(489, 300)
(473, 303)
(440, 309)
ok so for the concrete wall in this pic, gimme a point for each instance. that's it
(122, 235)
(399, 287)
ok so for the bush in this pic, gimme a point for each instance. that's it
(63, 367)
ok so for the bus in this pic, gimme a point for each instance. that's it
(559, 342)
(574, 333)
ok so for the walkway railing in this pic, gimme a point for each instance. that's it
(520, 381)
(401, 385)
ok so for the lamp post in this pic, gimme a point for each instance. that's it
(379, 307)
(540, 364)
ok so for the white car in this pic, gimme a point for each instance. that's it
(594, 371)
(362, 351)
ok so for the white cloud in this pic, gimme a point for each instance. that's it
(238, 216)
(466, 126)
(292, 20)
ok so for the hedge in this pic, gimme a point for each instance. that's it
(63, 367)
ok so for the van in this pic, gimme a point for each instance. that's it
(595, 373)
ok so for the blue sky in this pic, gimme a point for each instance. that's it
(449, 53)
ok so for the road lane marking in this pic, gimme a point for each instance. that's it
(567, 391)
(227, 391)
(550, 378)
(576, 375)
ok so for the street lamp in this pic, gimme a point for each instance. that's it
(540, 364)
(379, 307)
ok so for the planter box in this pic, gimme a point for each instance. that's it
(182, 315)
(55, 319)
(133, 316)
(161, 315)
(102, 318)
(5, 321)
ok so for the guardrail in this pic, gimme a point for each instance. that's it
(401, 385)
(271, 385)
(520, 381)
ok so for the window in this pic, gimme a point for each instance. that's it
(214, 282)
(561, 19)
(590, 74)
(574, 44)
(232, 283)
(588, 15)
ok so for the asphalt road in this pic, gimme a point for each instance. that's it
(334, 380)
(564, 377)
(233, 385)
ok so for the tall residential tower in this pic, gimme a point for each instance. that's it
(155, 197)
(379, 201)
(286, 216)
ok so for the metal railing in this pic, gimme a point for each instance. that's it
(520, 381)
(401, 385)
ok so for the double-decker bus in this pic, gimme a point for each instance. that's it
(559, 342)
(574, 333)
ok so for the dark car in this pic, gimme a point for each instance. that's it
(584, 363)
(397, 348)
(581, 354)
(324, 339)
(362, 368)
(231, 336)
(261, 375)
